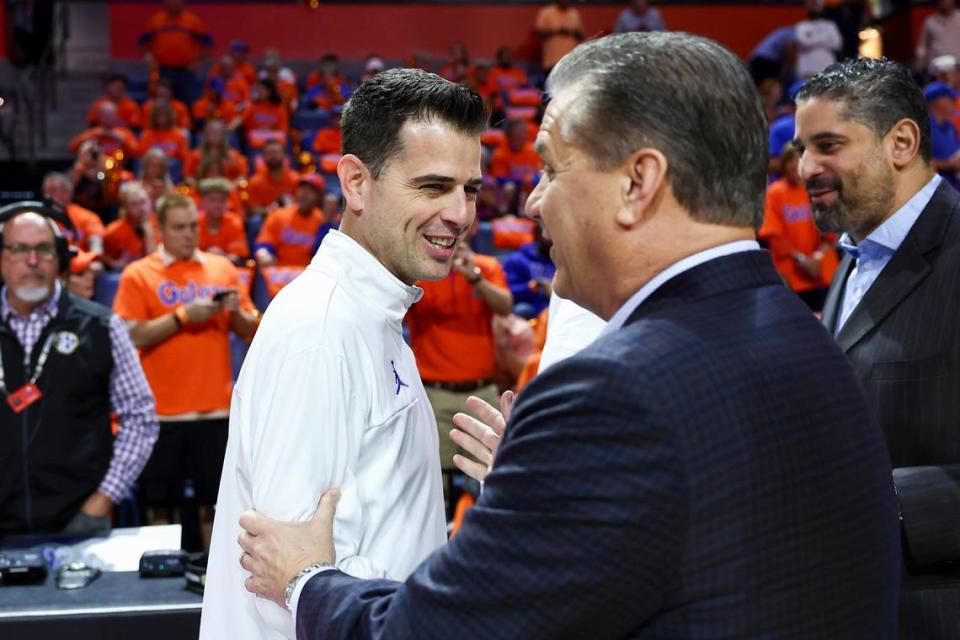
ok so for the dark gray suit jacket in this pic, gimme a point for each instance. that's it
(904, 341)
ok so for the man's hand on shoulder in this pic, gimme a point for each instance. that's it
(275, 552)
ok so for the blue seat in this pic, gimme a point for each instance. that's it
(482, 242)
(259, 295)
(238, 351)
(175, 167)
(310, 120)
(105, 288)
(252, 226)
(138, 88)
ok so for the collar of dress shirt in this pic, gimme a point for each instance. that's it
(888, 237)
(168, 258)
(363, 273)
(48, 308)
(673, 270)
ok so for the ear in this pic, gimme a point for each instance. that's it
(644, 174)
(903, 142)
(354, 179)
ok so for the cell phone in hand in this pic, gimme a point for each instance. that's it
(219, 296)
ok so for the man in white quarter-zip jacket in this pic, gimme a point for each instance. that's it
(329, 395)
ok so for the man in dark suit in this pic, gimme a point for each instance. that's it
(894, 305)
(708, 467)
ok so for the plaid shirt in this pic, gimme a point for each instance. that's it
(130, 395)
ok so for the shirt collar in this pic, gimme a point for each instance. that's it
(342, 255)
(168, 258)
(888, 237)
(48, 308)
(624, 312)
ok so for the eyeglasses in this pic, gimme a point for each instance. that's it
(45, 251)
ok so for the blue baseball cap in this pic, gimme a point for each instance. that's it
(936, 90)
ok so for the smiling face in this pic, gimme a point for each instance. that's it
(576, 204)
(422, 204)
(845, 168)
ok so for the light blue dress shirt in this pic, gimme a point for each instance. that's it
(875, 251)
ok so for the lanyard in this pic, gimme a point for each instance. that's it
(41, 361)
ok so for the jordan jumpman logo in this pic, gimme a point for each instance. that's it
(396, 378)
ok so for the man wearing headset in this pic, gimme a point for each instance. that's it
(65, 365)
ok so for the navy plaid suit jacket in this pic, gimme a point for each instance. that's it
(709, 470)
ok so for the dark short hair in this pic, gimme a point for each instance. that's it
(688, 97)
(875, 93)
(373, 117)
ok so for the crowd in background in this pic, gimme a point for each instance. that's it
(254, 147)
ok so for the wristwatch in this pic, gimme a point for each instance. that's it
(292, 584)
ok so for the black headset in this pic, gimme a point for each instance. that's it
(54, 216)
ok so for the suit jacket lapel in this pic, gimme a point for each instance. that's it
(831, 307)
(906, 269)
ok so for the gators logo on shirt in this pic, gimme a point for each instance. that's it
(171, 295)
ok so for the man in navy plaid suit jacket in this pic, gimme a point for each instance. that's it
(708, 468)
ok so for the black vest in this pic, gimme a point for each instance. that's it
(55, 453)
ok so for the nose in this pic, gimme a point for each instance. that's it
(532, 206)
(460, 210)
(808, 166)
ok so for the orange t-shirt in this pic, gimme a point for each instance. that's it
(520, 165)
(190, 371)
(450, 328)
(552, 18)
(263, 189)
(122, 242)
(171, 141)
(127, 110)
(290, 236)
(175, 41)
(236, 89)
(229, 238)
(328, 140)
(265, 121)
(181, 114)
(204, 110)
(234, 167)
(87, 225)
(110, 142)
(509, 78)
(788, 226)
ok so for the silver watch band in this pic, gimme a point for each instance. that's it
(292, 584)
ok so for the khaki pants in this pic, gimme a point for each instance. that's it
(445, 405)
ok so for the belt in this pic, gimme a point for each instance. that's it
(459, 387)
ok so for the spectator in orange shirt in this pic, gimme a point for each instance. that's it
(457, 68)
(274, 183)
(236, 89)
(112, 138)
(481, 80)
(128, 111)
(505, 74)
(283, 78)
(326, 87)
(516, 160)
(805, 257)
(452, 338)
(181, 305)
(212, 106)
(560, 29)
(161, 134)
(175, 40)
(82, 276)
(266, 117)
(214, 149)
(240, 50)
(329, 139)
(87, 233)
(155, 175)
(221, 231)
(132, 236)
(332, 208)
(290, 235)
(164, 93)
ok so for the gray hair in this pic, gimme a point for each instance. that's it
(684, 95)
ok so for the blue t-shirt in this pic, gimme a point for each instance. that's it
(944, 145)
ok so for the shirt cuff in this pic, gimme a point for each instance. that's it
(301, 583)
